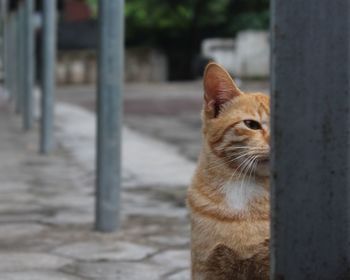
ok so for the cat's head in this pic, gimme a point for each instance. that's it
(236, 125)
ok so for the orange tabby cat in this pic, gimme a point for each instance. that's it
(229, 195)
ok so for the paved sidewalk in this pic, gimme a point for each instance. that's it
(46, 216)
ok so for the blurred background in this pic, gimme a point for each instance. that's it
(169, 40)
(168, 44)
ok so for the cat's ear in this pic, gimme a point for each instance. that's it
(219, 88)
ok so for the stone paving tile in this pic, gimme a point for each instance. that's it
(67, 200)
(19, 230)
(38, 275)
(182, 275)
(93, 251)
(117, 271)
(12, 187)
(7, 206)
(172, 258)
(12, 262)
(23, 217)
(69, 217)
(170, 240)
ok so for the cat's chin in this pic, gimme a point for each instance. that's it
(263, 168)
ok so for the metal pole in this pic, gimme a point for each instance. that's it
(48, 75)
(11, 56)
(2, 19)
(5, 48)
(110, 88)
(28, 65)
(8, 56)
(310, 143)
(20, 61)
(14, 56)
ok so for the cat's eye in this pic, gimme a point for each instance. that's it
(252, 124)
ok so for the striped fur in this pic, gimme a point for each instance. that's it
(229, 195)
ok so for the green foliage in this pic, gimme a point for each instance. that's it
(93, 6)
(156, 21)
(249, 14)
(159, 22)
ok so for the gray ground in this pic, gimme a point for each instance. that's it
(47, 203)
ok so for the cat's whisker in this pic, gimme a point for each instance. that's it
(244, 166)
(242, 154)
(246, 148)
(242, 173)
(226, 161)
(239, 148)
(249, 166)
(237, 169)
(220, 163)
(253, 167)
(250, 163)
(254, 152)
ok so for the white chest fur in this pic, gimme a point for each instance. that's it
(239, 193)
